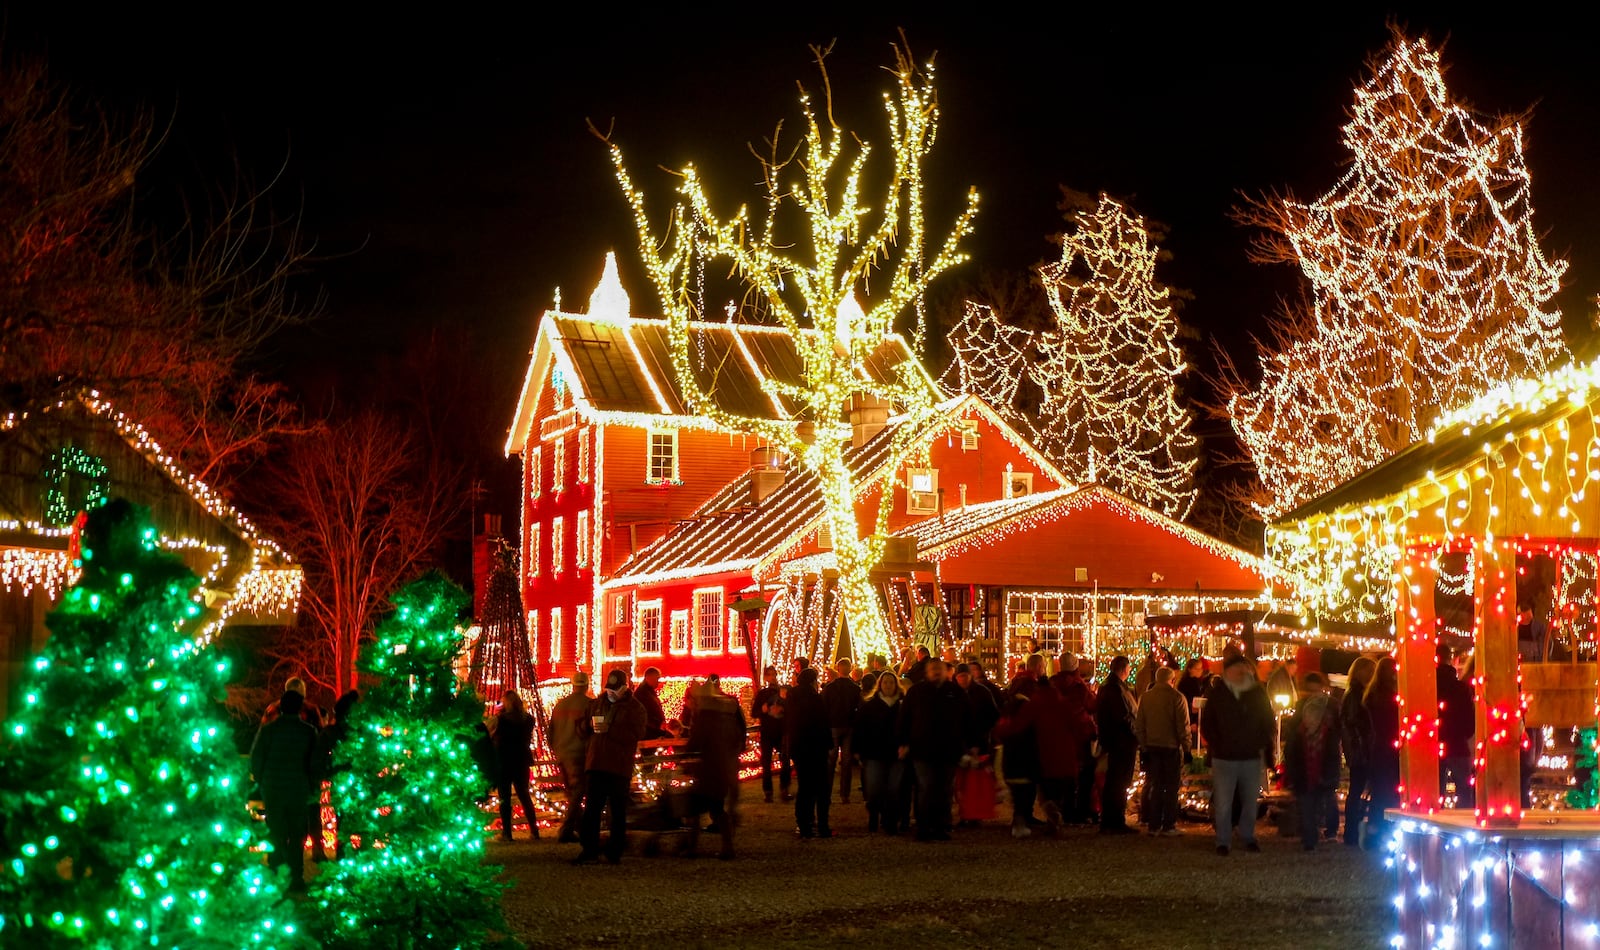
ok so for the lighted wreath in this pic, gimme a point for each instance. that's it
(73, 480)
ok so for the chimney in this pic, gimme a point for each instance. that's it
(484, 546)
(869, 415)
(766, 472)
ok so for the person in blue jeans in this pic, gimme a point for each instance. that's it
(1237, 727)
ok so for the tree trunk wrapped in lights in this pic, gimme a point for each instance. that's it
(800, 264)
(1427, 285)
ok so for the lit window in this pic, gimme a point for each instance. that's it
(580, 634)
(680, 631)
(583, 456)
(556, 564)
(969, 435)
(649, 627)
(619, 610)
(533, 550)
(736, 640)
(558, 466)
(708, 621)
(555, 635)
(663, 463)
(922, 491)
(533, 635)
(535, 486)
(583, 539)
(1017, 484)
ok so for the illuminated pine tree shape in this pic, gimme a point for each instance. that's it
(990, 359)
(802, 262)
(1110, 368)
(1427, 285)
(405, 783)
(121, 791)
(501, 659)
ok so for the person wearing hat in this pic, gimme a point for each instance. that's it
(1238, 729)
(569, 745)
(615, 726)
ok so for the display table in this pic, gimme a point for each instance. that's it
(1536, 885)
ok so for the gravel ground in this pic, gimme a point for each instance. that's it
(983, 889)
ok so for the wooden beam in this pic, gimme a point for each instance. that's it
(1416, 650)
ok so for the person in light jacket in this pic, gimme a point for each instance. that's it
(1162, 727)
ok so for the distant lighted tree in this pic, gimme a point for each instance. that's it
(804, 263)
(1427, 285)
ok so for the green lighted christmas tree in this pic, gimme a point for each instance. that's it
(406, 785)
(1586, 793)
(122, 812)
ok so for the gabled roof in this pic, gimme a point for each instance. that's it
(731, 533)
(619, 367)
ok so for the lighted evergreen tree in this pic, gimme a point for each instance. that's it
(1110, 367)
(1427, 285)
(836, 213)
(122, 797)
(405, 783)
(501, 659)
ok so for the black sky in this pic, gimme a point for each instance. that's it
(442, 158)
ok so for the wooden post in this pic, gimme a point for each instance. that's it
(1417, 639)
(1498, 683)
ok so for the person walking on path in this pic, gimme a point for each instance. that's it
(935, 730)
(876, 740)
(1115, 709)
(1079, 701)
(1162, 727)
(841, 696)
(565, 734)
(614, 730)
(716, 740)
(1238, 730)
(767, 709)
(1311, 758)
(1356, 738)
(513, 747)
(1382, 705)
(282, 761)
(809, 738)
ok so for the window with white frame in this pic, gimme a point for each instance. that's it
(680, 631)
(708, 620)
(969, 435)
(580, 633)
(619, 609)
(922, 491)
(535, 486)
(663, 460)
(558, 465)
(583, 539)
(1017, 484)
(583, 456)
(556, 564)
(736, 639)
(649, 627)
(555, 635)
(533, 635)
(533, 550)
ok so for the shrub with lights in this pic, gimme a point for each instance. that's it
(122, 799)
(406, 785)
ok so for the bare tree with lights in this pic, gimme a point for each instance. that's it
(803, 263)
(1427, 285)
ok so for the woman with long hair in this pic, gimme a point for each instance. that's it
(876, 742)
(513, 746)
(1381, 701)
(1356, 734)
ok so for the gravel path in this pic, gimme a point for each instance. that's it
(982, 889)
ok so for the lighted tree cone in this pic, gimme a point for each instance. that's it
(828, 226)
(406, 786)
(1426, 284)
(122, 795)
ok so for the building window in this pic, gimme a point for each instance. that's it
(580, 633)
(583, 456)
(922, 491)
(556, 564)
(558, 465)
(533, 635)
(583, 539)
(649, 627)
(708, 621)
(969, 435)
(535, 486)
(619, 609)
(1017, 484)
(533, 550)
(736, 633)
(663, 463)
(680, 631)
(555, 635)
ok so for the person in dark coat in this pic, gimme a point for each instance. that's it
(936, 729)
(1356, 740)
(877, 741)
(985, 713)
(842, 695)
(328, 744)
(809, 737)
(767, 710)
(716, 741)
(513, 746)
(614, 730)
(1115, 709)
(1382, 705)
(918, 671)
(283, 764)
(1311, 758)
(1238, 727)
(649, 696)
(1019, 753)
(311, 713)
(1457, 723)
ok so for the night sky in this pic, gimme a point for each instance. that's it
(443, 165)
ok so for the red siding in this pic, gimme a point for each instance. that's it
(680, 596)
